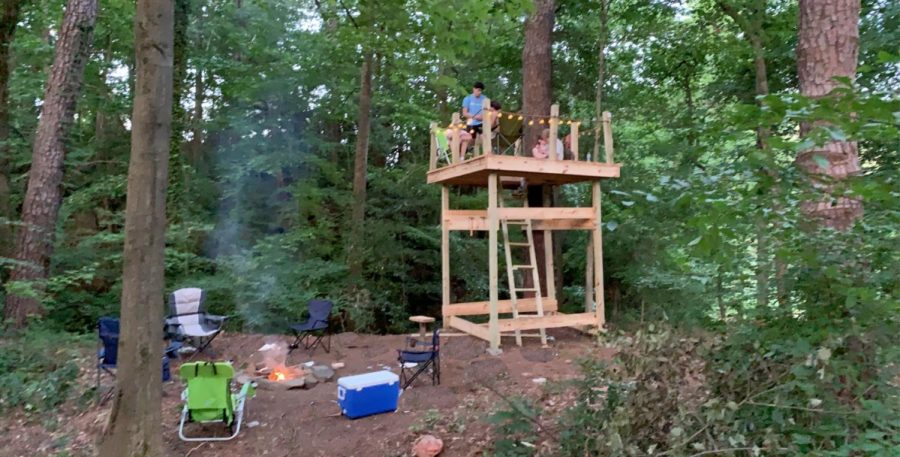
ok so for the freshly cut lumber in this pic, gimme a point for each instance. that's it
(479, 308)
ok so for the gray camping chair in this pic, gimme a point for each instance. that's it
(189, 320)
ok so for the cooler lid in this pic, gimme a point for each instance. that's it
(364, 380)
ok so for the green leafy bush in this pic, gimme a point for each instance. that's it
(39, 369)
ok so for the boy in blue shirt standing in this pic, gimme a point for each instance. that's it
(471, 109)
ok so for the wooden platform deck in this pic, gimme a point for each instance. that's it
(475, 171)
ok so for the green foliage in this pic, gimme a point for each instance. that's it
(766, 389)
(516, 427)
(39, 369)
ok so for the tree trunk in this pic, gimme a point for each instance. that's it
(363, 119)
(40, 209)
(135, 423)
(751, 24)
(9, 17)
(196, 146)
(828, 47)
(601, 78)
(537, 88)
(537, 84)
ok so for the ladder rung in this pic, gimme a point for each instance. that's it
(516, 222)
(512, 243)
(520, 267)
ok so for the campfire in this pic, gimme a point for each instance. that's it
(272, 372)
(282, 373)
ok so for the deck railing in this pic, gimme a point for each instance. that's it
(449, 153)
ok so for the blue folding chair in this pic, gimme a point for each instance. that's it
(315, 331)
(107, 355)
(415, 362)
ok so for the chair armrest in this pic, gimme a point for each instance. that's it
(214, 319)
(412, 341)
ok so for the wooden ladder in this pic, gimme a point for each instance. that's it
(511, 267)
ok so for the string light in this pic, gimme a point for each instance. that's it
(541, 121)
(531, 122)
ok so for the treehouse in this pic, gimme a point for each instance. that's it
(498, 164)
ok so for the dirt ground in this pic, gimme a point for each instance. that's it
(308, 422)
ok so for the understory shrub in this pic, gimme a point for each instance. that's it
(39, 368)
(771, 387)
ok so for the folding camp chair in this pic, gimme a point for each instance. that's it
(316, 330)
(417, 362)
(443, 144)
(189, 320)
(508, 134)
(107, 355)
(208, 398)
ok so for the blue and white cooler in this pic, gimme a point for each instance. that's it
(367, 394)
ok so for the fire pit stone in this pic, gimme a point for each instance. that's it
(323, 373)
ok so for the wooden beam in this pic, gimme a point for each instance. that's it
(454, 139)
(557, 320)
(535, 214)
(479, 224)
(597, 240)
(589, 276)
(474, 172)
(445, 249)
(486, 122)
(554, 131)
(493, 270)
(607, 136)
(432, 157)
(573, 136)
(480, 308)
(471, 328)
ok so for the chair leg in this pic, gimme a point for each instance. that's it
(298, 337)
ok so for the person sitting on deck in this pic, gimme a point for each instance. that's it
(542, 149)
(468, 135)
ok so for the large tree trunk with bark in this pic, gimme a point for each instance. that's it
(537, 85)
(828, 47)
(135, 423)
(537, 88)
(9, 17)
(40, 209)
(360, 166)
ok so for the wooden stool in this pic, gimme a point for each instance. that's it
(423, 322)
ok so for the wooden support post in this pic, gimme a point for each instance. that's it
(432, 158)
(454, 140)
(554, 130)
(549, 272)
(445, 253)
(486, 122)
(589, 276)
(607, 136)
(574, 137)
(597, 240)
(493, 270)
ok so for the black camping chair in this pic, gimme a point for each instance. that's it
(315, 331)
(414, 363)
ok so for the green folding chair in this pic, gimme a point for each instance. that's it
(443, 144)
(508, 134)
(208, 398)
